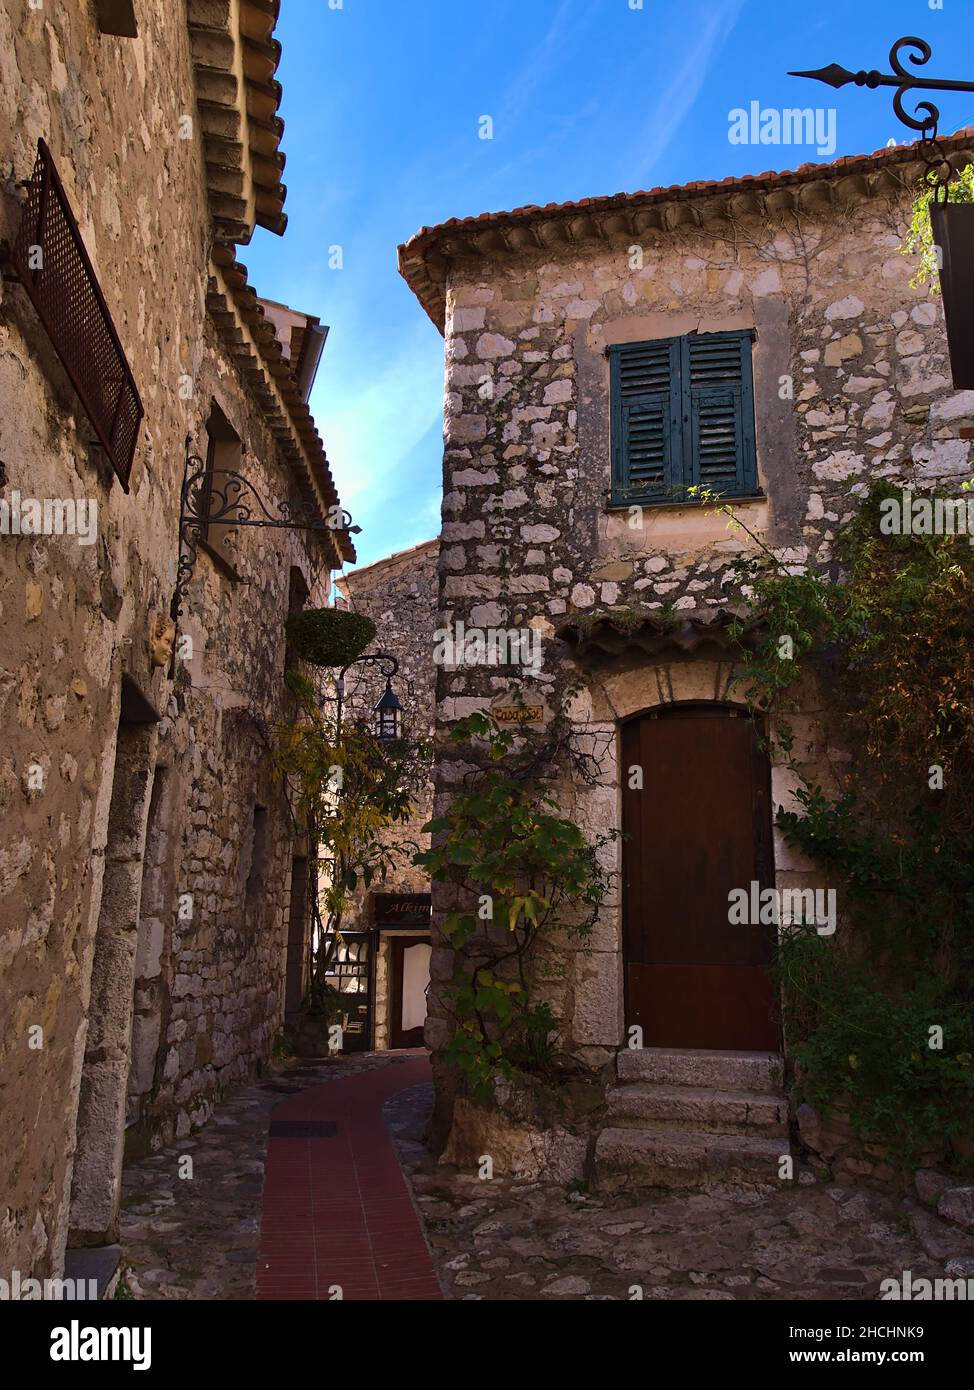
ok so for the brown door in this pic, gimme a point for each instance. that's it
(699, 827)
(410, 979)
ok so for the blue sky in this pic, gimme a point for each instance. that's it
(382, 104)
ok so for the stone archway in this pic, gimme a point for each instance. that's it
(613, 693)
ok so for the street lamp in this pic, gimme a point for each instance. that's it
(387, 713)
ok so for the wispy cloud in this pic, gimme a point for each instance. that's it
(562, 82)
(678, 97)
(542, 65)
(382, 416)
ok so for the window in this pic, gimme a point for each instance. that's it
(117, 17)
(223, 452)
(254, 858)
(297, 597)
(55, 269)
(682, 416)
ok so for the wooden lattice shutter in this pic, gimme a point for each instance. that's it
(645, 425)
(682, 416)
(718, 408)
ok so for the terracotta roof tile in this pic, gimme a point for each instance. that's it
(241, 128)
(423, 258)
(275, 363)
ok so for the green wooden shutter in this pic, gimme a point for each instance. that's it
(718, 412)
(646, 436)
(682, 416)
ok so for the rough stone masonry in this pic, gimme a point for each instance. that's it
(851, 382)
(146, 853)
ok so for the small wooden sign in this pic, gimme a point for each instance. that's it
(401, 909)
(519, 714)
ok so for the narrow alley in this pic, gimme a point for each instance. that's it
(320, 1210)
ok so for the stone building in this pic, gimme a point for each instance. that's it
(400, 593)
(146, 852)
(758, 337)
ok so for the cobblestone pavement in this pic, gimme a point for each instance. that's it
(520, 1240)
(197, 1238)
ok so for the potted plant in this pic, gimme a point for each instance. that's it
(328, 636)
(943, 233)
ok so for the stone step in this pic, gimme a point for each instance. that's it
(627, 1159)
(701, 1108)
(716, 1071)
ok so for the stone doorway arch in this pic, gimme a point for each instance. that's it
(614, 691)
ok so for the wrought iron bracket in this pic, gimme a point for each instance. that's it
(388, 666)
(380, 659)
(225, 497)
(904, 80)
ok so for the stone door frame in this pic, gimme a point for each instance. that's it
(596, 1021)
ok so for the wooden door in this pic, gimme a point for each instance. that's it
(400, 1034)
(699, 827)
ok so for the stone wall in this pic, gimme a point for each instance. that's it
(75, 615)
(851, 382)
(215, 999)
(400, 594)
(84, 784)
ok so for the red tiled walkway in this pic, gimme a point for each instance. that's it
(337, 1210)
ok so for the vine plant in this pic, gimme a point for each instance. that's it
(517, 871)
(347, 791)
(880, 1017)
(919, 238)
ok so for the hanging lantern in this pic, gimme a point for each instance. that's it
(388, 715)
(953, 235)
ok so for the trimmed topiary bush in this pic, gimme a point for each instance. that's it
(328, 636)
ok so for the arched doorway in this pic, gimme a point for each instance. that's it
(697, 823)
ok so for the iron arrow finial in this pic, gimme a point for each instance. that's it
(906, 80)
(834, 75)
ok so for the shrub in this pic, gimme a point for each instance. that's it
(894, 637)
(874, 1049)
(328, 636)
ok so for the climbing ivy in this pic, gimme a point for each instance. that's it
(518, 871)
(919, 239)
(880, 1016)
(347, 791)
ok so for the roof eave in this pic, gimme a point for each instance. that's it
(426, 259)
(251, 339)
(235, 57)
